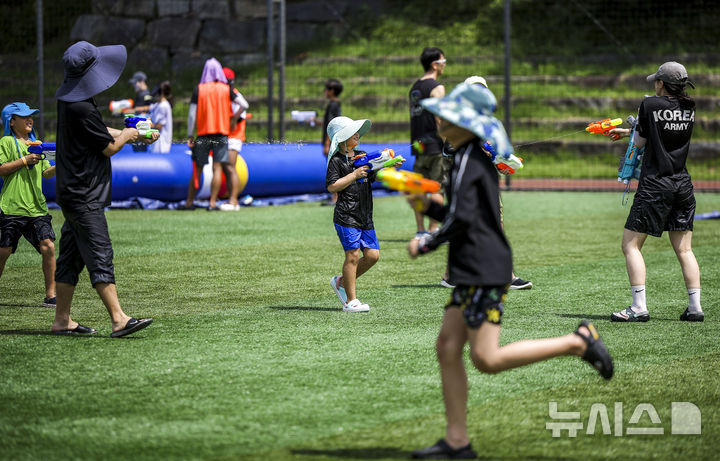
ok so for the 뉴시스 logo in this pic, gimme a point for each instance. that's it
(685, 417)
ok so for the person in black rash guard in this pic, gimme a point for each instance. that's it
(480, 262)
(84, 184)
(353, 215)
(426, 145)
(664, 200)
(333, 88)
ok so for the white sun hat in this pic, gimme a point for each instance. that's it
(340, 129)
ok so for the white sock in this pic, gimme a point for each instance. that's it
(694, 295)
(638, 295)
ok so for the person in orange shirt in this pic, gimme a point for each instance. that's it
(211, 111)
(235, 141)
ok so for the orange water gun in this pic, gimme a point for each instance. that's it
(406, 181)
(603, 126)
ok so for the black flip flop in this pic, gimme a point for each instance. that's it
(131, 326)
(78, 330)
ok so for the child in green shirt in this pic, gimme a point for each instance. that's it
(23, 211)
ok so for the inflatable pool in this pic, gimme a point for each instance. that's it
(265, 170)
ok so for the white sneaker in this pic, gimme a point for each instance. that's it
(229, 207)
(356, 306)
(339, 291)
(446, 284)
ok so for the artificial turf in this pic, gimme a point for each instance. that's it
(250, 356)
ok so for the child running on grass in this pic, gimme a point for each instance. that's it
(23, 211)
(353, 216)
(480, 263)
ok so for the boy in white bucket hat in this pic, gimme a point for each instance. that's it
(353, 210)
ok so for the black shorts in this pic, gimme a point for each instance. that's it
(34, 229)
(85, 241)
(217, 143)
(479, 304)
(664, 204)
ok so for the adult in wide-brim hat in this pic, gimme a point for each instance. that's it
(90, 69)
(340, 129)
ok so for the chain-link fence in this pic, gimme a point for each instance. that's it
(572, 62)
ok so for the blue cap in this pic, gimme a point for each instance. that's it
(20, 109)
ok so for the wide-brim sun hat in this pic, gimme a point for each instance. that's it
(470, 107)
(20, 109)
(90, 70)
(340, 129)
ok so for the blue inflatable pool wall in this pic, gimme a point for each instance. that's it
(272, 170)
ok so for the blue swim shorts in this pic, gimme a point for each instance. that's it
(352, 238)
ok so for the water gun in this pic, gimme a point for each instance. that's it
(303, 116)
(504, 165)
(142, 124)
(603, 126)
(632, 162)
(44, 149)
(377, 160)
(116, 107)
(406, 181)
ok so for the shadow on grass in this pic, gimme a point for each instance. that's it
(305, 308)
(604, 317)
(357, 453)
(390, 453)
(24, 306)
(426, 285)
(47, 333)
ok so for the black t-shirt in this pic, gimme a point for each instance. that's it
(667, 127)
(84, 176)
(332, 111)
(479, 253)
(423, 127)
(354, 207)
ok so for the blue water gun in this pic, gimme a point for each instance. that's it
(505, 165)
(377, 160)
(631, 164)
(142, 124)
(43, 149)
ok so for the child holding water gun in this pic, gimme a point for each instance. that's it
(353, 216)
(23, 211)
(480, 263)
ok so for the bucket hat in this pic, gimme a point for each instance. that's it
(89, 70)
(20, 109)
(340, 129)
(470, 107)
(671, 72)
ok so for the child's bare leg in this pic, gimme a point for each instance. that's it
(215, 183)
(47, 250)
(370, 257)
(4, 255)
(349, 272)
(488, 357)
(449, 349)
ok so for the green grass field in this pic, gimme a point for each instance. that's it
(250, 356)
